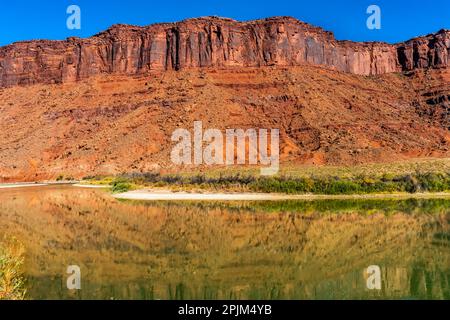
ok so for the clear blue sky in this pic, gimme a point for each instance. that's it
(46, 19)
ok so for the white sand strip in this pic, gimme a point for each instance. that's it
(155, 195)
(97, 186)
(198, 196)
(21, 185)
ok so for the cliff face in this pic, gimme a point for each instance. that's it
(212, 42)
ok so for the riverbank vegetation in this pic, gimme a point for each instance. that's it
(12, 283)
(425, 176)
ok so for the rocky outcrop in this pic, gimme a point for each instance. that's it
(212, 42)
(425, 52)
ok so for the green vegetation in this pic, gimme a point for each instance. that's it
(409, 177)
(12, 284)
(359, 185)
(118, 184)
(411, 183)
(121, 185)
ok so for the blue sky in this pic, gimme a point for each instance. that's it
(46, 19)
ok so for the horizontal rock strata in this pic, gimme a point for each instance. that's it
(215, 43)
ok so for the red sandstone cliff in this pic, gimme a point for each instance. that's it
(212, 42)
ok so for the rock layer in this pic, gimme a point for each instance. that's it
(112, 124)
(212, 42)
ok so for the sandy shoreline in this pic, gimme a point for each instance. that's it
(167, 195)
(21, 185)
(34, 184)
(94, 186)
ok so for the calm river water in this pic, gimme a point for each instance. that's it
(232, 250)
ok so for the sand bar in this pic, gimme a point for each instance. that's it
(97, 186)
(167, 195)
(21, 185)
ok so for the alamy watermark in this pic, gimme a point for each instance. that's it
(374, 20)
(74, 278)
(373, 280)
(74, 20)
(234, 146)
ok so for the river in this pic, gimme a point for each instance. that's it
(227, 250)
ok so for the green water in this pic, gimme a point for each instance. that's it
(228, 250)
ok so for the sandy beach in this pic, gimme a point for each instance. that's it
(94, 186)
(21, 185)
(167, 195)
(36, 184)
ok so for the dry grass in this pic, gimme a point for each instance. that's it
(372, 170)
(12, 283)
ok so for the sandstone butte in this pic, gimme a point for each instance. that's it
(109, 104)
(212, 42)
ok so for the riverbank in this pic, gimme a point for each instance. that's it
(21, 185)
(35, 184)
(409, 178)
(158, 194)
(93, 186)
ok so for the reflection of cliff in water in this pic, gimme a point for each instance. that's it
(132, 250)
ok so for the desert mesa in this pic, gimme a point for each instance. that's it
(108, 104)
(212, 42)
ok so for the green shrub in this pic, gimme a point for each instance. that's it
(120, 185)
(362, 184)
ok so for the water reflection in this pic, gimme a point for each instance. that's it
(275, 250)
